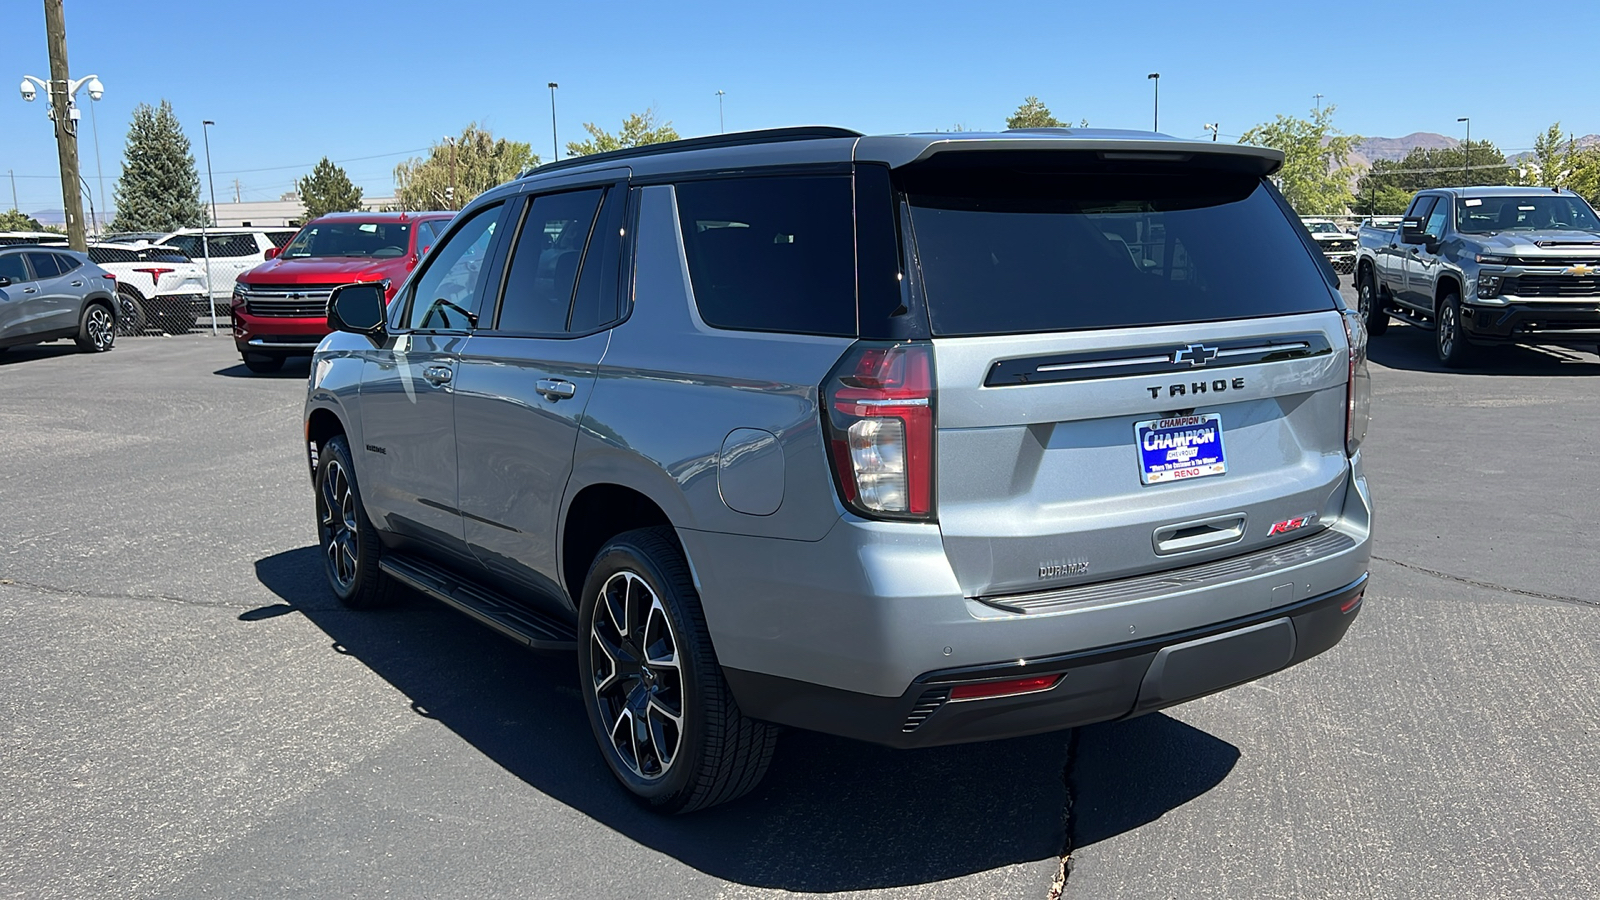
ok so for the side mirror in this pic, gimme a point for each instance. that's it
(272, 253)
(358, 309)
(4, 281)
(1411, 231)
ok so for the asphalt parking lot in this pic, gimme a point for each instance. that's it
(185, 711)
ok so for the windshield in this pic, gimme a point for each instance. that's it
(1011, 251)
(379, 240)
(1481, 215)
(1322, 228)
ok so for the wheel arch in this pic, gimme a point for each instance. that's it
(597, 513)
(1447, 283)
(125, 287)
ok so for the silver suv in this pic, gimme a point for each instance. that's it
(917, 439)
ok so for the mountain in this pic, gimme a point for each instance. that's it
(1395, 149)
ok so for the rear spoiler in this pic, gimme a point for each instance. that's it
(1042, 145)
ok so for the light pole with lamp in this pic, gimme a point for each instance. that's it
(722, 126)
(555, 143)
(1155, 124)
(62, 94)
(211, 184)
(1212, 127)
(1466, 167)
(1318, 98)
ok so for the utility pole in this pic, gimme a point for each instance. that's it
(55, 30)
(236, 190)
(1466, 168)
(454, 189)
(13, 175)
(555, 145)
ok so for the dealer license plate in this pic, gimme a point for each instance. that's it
(1180, 447)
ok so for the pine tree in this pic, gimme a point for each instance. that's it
(328, 189)
(160, 187)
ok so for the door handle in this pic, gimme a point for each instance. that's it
(555, 389)
(77, 284)
(438, 376)
(30, 290)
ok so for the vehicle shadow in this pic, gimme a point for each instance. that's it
(1404, 346)
(832, 814)
(296, 367)
(29, 352)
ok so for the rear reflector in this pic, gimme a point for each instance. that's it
(1008, 688)
(1352, 603)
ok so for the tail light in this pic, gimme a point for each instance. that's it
(155, 274)
(109, 277)
(1358, 389)
(878, 413)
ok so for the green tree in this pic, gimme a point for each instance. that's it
(1425, 168)
(1552, 156)
(637, 129)
(18, 221)
(1316, 172)
(159, 189)
(1033, 114)
(328, 189)
(458, 170)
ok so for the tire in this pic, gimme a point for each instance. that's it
(1450, 340)
(644, 651)
(1370, 304)
(97, 327)
(262, 364)
(131, 317)
(350, 547)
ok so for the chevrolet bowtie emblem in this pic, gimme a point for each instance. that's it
(1195, 355)
(1580, 269)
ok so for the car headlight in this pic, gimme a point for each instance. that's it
(1488, 286)
(1489, 259)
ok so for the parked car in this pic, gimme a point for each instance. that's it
(280, 308)
(8, 238)
(156, 287)
(234, 251)
(1486, 265)
(51, 293)
(807, 428)
(1338, 245)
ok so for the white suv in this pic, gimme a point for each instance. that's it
(157, 287)
(234, 251)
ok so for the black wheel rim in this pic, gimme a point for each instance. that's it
(130, 317)
(1364, 302)
(638, 685)
(99, 327)
(1447, 330)
(337, 527)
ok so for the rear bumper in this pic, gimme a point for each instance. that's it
(1109, 683)
(1558, 321)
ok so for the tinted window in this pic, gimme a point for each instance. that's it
(187, 244)
(116, 255)
(67, 263)
(1420, 207)
(44, 265)
(427, 233)
(596, 302)
(1435, 226)
(442, 296)
(772, 254)
(237, 245)
(379, 240)
(1006, 252)
(280, 238)
(1480, 215)
(544, 263)
(11, 268)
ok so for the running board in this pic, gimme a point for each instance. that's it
(492, 608)
(1406, 315)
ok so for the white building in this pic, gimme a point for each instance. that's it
(286, 210)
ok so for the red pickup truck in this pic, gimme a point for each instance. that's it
(280, 308)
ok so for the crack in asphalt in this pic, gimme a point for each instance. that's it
(1489, 585)
(1058, 885)
(91, 595)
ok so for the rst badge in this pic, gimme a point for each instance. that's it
(1294, 524)
(1179, 447)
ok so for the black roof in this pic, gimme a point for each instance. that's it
(737, 139)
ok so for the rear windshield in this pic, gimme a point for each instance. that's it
(1007, 251)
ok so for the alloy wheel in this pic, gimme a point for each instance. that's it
(340, 532)
(1447, 330)
(1364, 300)
(638, 685)
(100, 327)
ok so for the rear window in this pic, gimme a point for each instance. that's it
(1008, 252)
(772, 254)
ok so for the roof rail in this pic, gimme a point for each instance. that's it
(737, 139)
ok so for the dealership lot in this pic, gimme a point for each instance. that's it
(186, 711)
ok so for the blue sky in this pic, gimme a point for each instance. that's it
(289, 81)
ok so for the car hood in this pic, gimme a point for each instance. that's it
(324, 270)
(1528, 243)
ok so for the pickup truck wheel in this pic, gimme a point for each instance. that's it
(349, 543)
(1449, 338)
(97, 328)
(261, 364)
(1371, 305)
(663, 714)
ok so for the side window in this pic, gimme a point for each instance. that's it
(442, 296)
(280, 238)
(1420, 207)
(66, 263)
(12, 269)
(544, 262)
(427, 233)
(596, 301)
(772, 254)
(1435, 226)
(236, 245)
(44, 265)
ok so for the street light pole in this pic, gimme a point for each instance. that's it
(99, 173)
(1155, 124)
(1212, 127)
(1466, 167)
(555, 143)
(13, 175)
(722, 126)
(1318, 98)
(211, 184)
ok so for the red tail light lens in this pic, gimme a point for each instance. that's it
(1358, 390)
(878, 411)
(1011, 688)
(155, 274)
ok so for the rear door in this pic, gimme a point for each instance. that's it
(1136, 371)
(55, 306)
(526, 376)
